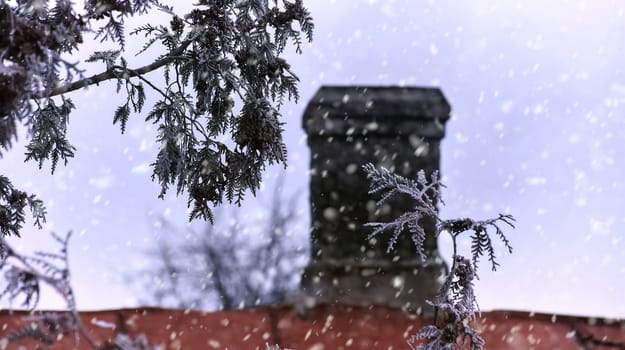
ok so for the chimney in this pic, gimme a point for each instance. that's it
(399, 128)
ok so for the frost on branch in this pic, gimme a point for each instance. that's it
(481, 242)
(48, 134)
(13, 203)
(219, 54)
(424, 194)
(455, 305)
(24, 275)
(45, 328)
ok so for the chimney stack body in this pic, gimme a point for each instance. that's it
(399, 128)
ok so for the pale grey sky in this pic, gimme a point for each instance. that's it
(537, 92)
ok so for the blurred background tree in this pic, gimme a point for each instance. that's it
(235, 263)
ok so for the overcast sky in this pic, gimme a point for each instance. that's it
(537, 91)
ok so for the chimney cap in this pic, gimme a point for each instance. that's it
(395, 110)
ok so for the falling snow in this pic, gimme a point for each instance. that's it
(537, 130)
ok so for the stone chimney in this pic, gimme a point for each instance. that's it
(399, 128)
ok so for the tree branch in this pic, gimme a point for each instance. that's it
(589, 341)
(110, 74)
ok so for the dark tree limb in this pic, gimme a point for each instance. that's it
(111, 74)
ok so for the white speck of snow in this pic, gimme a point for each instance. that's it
(415, 141)
(387, 10)
(600, 162)
(433, 49)
(461, 138)
(508, 181)
(330, 213)
(591, 118)
(536, 181)
(102, 323)
(144, 146)
(101, 182)
(167, 213)
(535, 44)
(397, 282)
(499, 126)
(574, 138)
(601, 227)
(142, 168)
(422, 150)
(606, 260)
(538, 109)
(317, 346)
(373, 126)
(97, 199)
(351, 168)
(506, 106)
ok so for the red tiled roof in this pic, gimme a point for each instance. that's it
(328, 328)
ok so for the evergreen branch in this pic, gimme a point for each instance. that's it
(13, 203)
(221, 51)
(111, 74)
(455, 304)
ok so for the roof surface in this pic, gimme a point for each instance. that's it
(327, 327)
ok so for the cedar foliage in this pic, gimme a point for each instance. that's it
(455, 304)
(221, 54)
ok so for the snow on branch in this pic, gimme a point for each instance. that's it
(455, 304)
(424, 193)
(24, 275)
